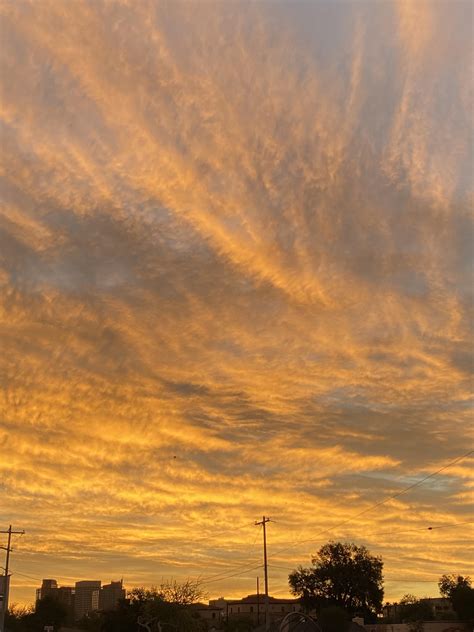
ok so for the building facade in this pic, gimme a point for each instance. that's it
(212, 614)
(252, 608)
(49, 588)
(441, 608)
(110, 595)
(86, 598)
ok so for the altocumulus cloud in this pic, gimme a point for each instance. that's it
(236, 279)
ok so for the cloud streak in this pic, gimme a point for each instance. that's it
(236, 273)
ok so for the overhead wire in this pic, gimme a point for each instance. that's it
(234, 567)
(239, 573)
(13, 572)
(227, 574)
(224, 532)
(375, 505)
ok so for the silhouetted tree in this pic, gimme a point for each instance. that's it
(46, 612)
(169, 603)
(182, 594)
(18, 619)
(343, 575)
(124, 618)
(461, 594)
(92, 622)
(49, 611)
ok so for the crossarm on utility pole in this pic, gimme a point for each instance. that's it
(6, 576)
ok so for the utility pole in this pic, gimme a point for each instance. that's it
(263, 522)
(6, 577)
(258, 600)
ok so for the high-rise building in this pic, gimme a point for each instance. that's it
(66, 596)
(86, 598)
(110, 595)
(49, 588)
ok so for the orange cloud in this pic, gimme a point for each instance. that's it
(235, 272)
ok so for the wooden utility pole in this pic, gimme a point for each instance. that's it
(263, 522)
(6, 576)
(258, 600)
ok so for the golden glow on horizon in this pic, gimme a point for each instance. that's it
(248, 248)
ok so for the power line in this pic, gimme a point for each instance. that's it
(229, 570)
(224, 532)
(228, 573)
(385, 579)
(414, 530)
(241, 568)
(442, 526)
(378, 504)
(209, 536)
(25, 575)
(224, 573)
(239, 573)
(414, 581)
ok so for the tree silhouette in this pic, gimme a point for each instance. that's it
(343, 575)
(459, 590)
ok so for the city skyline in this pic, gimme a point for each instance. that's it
(235, 280)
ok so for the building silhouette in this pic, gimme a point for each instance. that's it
(86, 598)
(49, 588)
(252, 608)
(83, 598)
(110, 595)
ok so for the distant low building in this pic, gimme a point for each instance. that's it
(210, 613)
(441, 608)
(252, 608)
(218, 603)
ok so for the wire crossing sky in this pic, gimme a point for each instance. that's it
(236, 280)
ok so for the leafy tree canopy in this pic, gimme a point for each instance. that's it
(459, 590)
(343, 575)
(46, 612)
(448, 584)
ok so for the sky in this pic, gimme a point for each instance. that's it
(236, 281)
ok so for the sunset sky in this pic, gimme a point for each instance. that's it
(236, 280)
